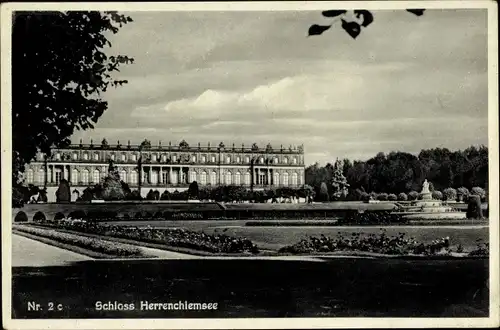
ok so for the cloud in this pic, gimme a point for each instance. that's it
(405, 83)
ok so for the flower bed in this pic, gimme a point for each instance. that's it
(381, 244)
(92, 244)
(167, 236)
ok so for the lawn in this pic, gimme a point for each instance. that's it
(274, 238)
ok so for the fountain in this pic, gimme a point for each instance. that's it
(430, 209)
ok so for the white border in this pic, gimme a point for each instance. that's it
(256, 323)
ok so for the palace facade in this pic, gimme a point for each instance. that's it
(169, 167)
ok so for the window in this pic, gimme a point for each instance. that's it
(237, 178)
(153, 176)
(58, 156)
(85, 177)
(29, 176)
(247, 179)
(247, 159)
(123, 176)
(294, 160)
(294, 178)
(96, 178)
(228, 159)
(134, 157)
(285, 179)
(85, 156)
(285, 160)
(175, 177)
(124, 157)
(96, 156)
(276, 160)
(228, 178)
(213, 159)
(203, 159)
(213, 178)
(164, 158)
(75, 156)
(153, 157)
(192, 176)
(276, 178)
(193, 158)
(112, 156)
(74, 176)
(41, 176)
(261, 160)
(174, 158)
(238, 159)
(134, 177)
(203, 178)
(58, 174)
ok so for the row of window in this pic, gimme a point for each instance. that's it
(164, 158)
(203, 178)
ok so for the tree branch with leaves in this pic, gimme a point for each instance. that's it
(351, 21)
(59, 71)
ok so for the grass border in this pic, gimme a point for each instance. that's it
(77, 249)
(164, 247)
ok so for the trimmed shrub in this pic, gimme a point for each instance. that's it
(474, 210)
(365, 197)
(392, 197)
(63, 193)
(382, 197)
(478, 191)
(437, 195)
(450, 194)
(462, 194)
(402, 197)
(413, 195)
(373, 195)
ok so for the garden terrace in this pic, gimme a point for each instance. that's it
(120, 211)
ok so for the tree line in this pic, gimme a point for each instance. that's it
(401, 172)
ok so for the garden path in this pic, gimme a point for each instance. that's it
(30, 253)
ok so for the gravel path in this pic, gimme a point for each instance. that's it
(31, 253)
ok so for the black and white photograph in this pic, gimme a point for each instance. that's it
(250, 164)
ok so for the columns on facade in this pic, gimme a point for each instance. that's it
(268, 176)
(160, 175)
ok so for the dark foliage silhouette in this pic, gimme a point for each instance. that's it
(59, 70)
(361, 19)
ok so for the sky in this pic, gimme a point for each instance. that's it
(406, 83)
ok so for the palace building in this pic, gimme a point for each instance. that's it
(168, 167)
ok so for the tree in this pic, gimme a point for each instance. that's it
(351, 22)
(339, 181)
(63, 193)
(112, 186)
(478, 191)
(392, 197)
(450, 194)
(382, 197)
(437, 195)
(323, 193)
(165, 196)
(64, 53)
(412, 195)
(402, 197)
(151, 195)
(193, 190)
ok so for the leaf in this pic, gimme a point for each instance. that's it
(333, 13)
(367, 17)
(316, 29)
(352, 28)
(418, 12)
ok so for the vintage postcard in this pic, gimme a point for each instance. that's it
(250, 165)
